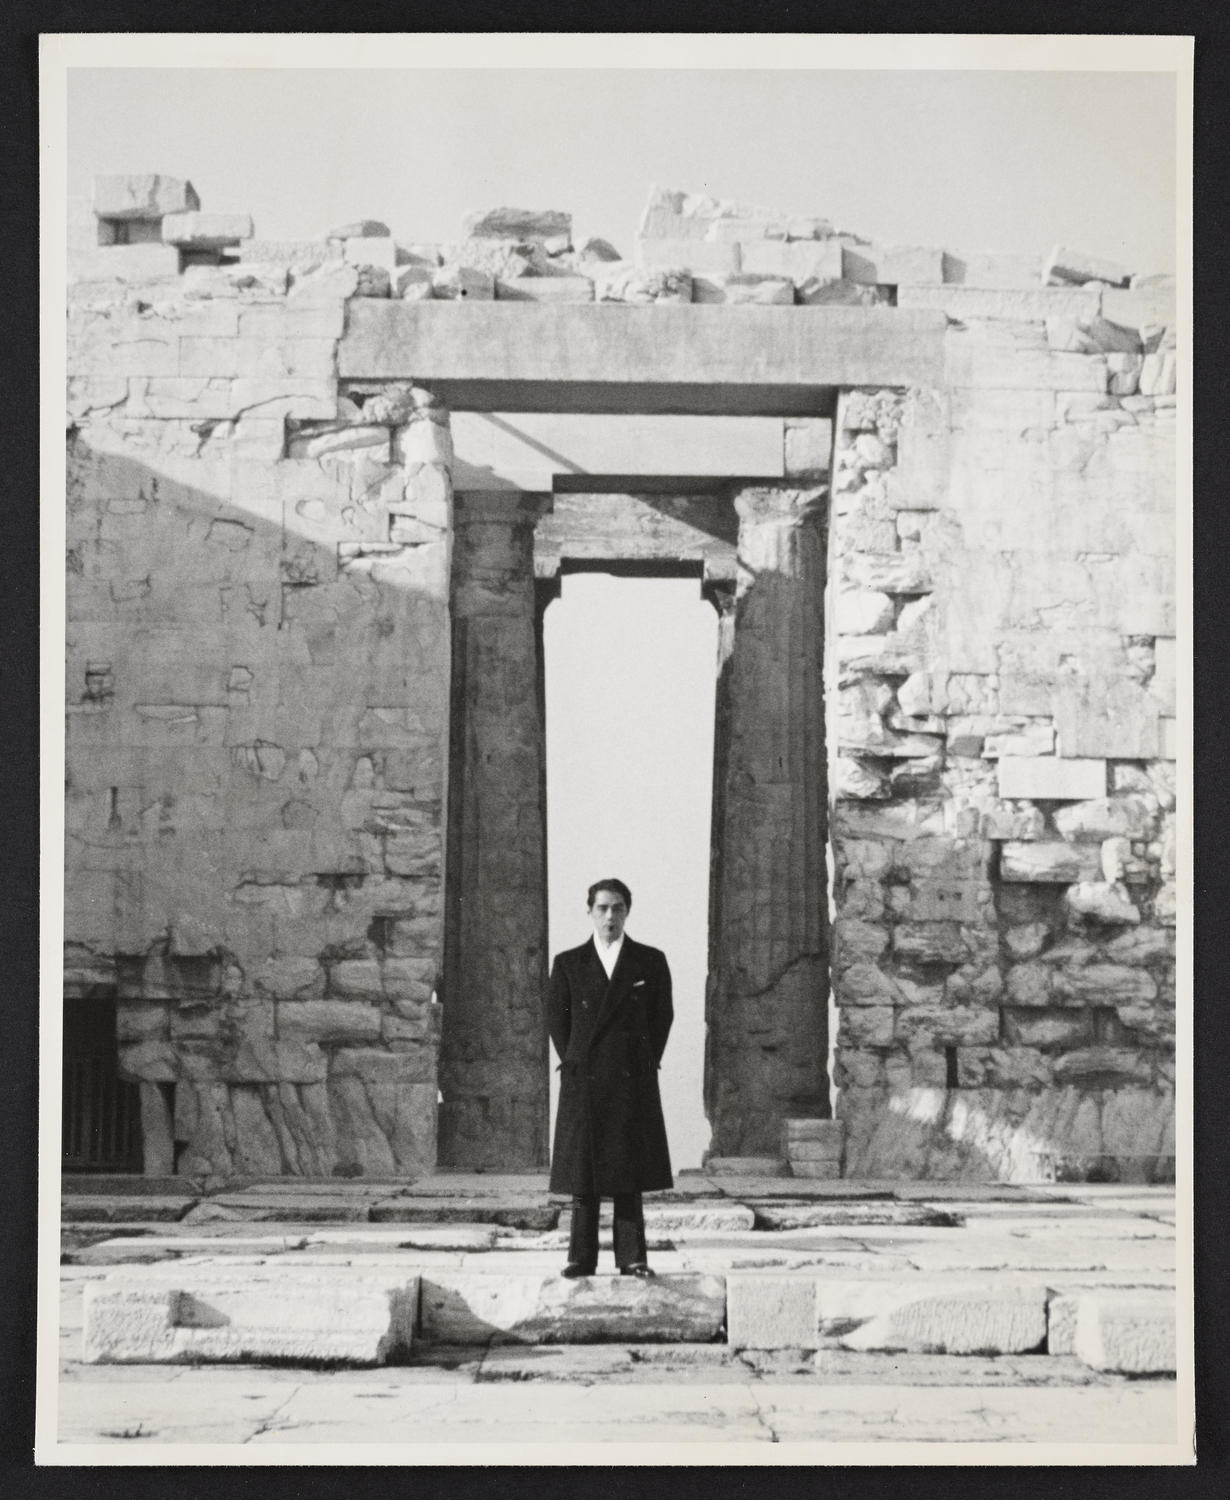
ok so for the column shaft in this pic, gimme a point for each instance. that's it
(493, 1065)
(768, 1007)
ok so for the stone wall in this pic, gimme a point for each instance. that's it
(257, 681)
(259, 643)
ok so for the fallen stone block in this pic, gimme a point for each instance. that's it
(534, 225)
(906, 266)
(692, 255)
(477, 1308)
(771, 1312)
(302, 254)
(798, 260)
(743, 287)
(931, 1317)
(1102, 900)
(992, 269)
(544, 289)
(1128, 1332)
(1049, 862)
(199, 231)
(146, 195)
(124, 263)
(360, 229)
(622, 281)
(208, 1314)
(1033, 305)
(370, 250)
(462, 283)
(1064, 265)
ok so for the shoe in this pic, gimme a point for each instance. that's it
(641, 1270)
(574, 1269)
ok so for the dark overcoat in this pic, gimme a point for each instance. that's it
(609, 1133)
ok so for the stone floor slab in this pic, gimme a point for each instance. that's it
(220, 1313)
(1131, 1333)
(936, 1317)
(469, 1308)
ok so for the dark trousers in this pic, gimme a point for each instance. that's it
(630, 1247)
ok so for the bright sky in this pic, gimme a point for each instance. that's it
(962, 160)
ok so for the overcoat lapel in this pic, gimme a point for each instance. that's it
(618, 986)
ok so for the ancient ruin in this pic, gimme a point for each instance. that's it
(319, 496)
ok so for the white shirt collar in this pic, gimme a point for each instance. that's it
(609, 956)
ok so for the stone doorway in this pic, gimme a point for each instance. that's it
(758, 551)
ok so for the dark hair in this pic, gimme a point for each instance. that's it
(609, 885)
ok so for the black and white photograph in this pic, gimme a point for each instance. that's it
(617, 868)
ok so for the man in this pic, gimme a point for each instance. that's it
(609, 1013)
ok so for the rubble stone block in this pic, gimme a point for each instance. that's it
(330, 1021)
(212, 1314)
(1051, 778)
(370, 250)
(931, 1317)
(992, 269)
(771, 1312)
(1017, 305)
(1129, 1332)
(909, 266)
(743, 288)
(692, 255)
(1065, 265)
(799, 260)
(1102, 900)
(124, 263)
(473, 1308)
(1049, 862)
(142, 196)
(533, 225)
(200, 231)
(544, 289)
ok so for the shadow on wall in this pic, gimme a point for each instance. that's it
(257, 684)
(1059, 1135)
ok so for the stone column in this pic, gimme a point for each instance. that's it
(768, 1001)
(493, 1064)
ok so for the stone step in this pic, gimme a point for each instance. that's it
(334, 1308)
(211, 1314)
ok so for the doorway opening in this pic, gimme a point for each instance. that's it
(101, 1125)
(630, 701)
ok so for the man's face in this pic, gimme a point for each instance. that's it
(608, 914)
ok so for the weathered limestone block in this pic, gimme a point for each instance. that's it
(901, 266)
(330, 1021)
(824, 1136)
(622, 281)
(992, 269)
(797, 260)
(1063, 265)
(457, 283)
(933, 1027)
(935, 1317)
(1046, 1028)
(535, 225)
(301, 255)
(1130, 1331)
(544, 289)
(471, 1308)
(742, 288)
(1050, 778)
(130, 263)
(972, 363)
(201, 231)
(771, 1312)
(1132, 816)
(866, 1026)
(1002, 1068)
(1102, 901)
(181, 1315)
(1016, 305)
(695, 256)
(1103, 1067)
(142, 196)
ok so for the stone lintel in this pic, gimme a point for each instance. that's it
(507, 450)
(656, 345)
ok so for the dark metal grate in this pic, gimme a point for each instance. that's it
(101, 1113)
